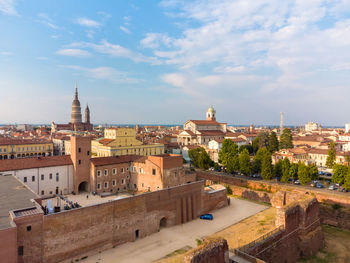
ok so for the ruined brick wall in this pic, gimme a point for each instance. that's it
(8, 245)
(211, 251)
(334, 215)
(260, 196)
(213, 200)
(77, 233)
(302, 236)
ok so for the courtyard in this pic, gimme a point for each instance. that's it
(168, 240)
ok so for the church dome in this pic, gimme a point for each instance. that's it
(211, 109)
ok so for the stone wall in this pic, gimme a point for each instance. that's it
(211, 251)
(335, 215)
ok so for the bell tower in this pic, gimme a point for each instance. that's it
(211, 114)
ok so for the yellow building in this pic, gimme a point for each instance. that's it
(17, 148)
(122, 141)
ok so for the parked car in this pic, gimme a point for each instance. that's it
(321, 173)
(207, 217)
(314, 183)
(327, 174)
(297, 182)
(332, 187)
(319, 185)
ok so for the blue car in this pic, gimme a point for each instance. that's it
(207, 217)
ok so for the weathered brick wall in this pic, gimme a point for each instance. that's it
(73, 234)
(337, 216)
(211, 251)
(8, 245)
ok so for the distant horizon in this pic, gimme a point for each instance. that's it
(167, 61)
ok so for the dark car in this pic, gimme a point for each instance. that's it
(319, 185)
(207, 217)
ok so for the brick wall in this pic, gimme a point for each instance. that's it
(8, 245)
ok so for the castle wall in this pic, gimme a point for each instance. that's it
(8, 245)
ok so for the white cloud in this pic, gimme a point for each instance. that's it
(73, 52)
(83, 21)
(104, 73)
(114, 50)
(46, 20)
(125, 30)
(8, 7)
(154, 40)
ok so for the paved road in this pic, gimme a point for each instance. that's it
(169, 239)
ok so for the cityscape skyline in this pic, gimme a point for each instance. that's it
(166, 62)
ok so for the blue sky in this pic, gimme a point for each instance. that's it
(167, 61)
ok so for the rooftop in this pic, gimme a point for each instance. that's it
(13, 196)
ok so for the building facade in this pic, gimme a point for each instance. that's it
(122, 141)
(18, 148)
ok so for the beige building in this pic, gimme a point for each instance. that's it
(122, 141)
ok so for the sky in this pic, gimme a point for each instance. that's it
(168, 61)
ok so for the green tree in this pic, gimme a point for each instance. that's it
(285, 170)
(347, 160)
(273, 142)
(293, 171)
(266, 166)
(331, 155)
(278, 168)
(200, 158)
(286, 139)
(346, 184)
(313, 172)
(263, 139)
(303, 174)
(244, 162)
(249, 147)
(258, 159)
(339, 173)
(229, 155)
(255, 145)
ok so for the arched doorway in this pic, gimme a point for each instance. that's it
(83, 187)
(162, 223)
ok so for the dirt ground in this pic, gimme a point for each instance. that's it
(337, 247)
(238, 234)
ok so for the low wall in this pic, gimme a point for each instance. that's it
(213, 200)
(211, 251)
(335, 215)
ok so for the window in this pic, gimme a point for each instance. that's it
(39, 147)
(88, 152)
(79, 149)
(43, 148)
(134, 169)
(50, 176)
(98, 186)
(113, 182)
(127, 168)
(42, 177)
(79, 161)
(153, 171)
(114, 170)
(142, 184)
(122, 170)
(29, 228)
(50, 192)
(57, 177)
(106, 172)
(25, 179)
(127, 177)
(135, 186)
(20, 251)
(123, 181)
(33, 178)
(98, 173)
(42, 192)
(106, 184)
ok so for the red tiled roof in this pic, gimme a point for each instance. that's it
(99, 161)
(205, 122)
(10, 141)
(37, 162)
(209, 133)
(105, 141)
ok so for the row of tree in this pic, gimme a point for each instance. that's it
(341, 175)
(270, 141)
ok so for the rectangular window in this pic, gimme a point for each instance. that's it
(135, 186)
(79, 149)
(153, 171)
(123, 181)
(113, 182)
(106, 184)
(106, 172)
(33, 178)
(50, 176)
(50, 192)
(42, 177)
(20, 251)
(39, 148)
(43, 148)
(99, 186)
(42, 192)
(25, 179)
(122, 170)
(79, 161)
(88, 153)
(98, 173)
(114, 170)
(57, 177)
